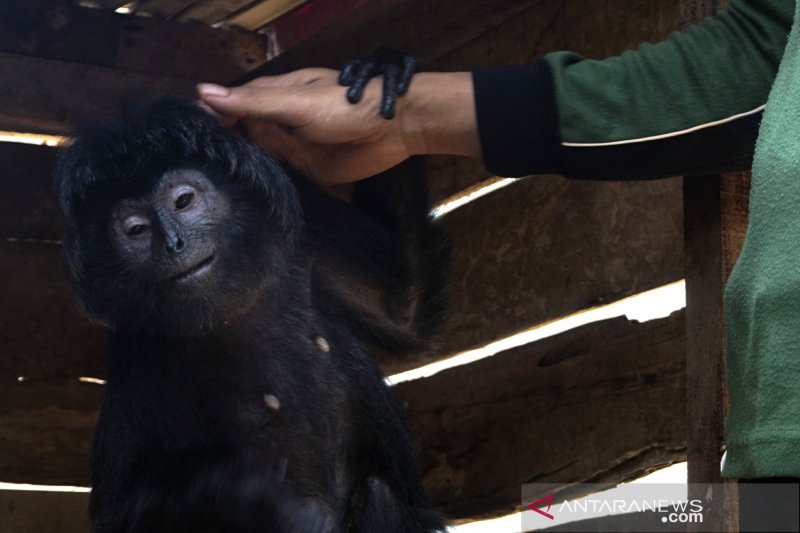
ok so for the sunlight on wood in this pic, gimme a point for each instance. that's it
(42, 488)
(31, 138)
(648, 305)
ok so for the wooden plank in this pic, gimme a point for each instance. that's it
(37, 512)
(48, 96)
(28, 206)
(46, 414)
(262, 13)
(43, 334)
(46, 431)
(66, 32)
(213, 11)
(552, 411)
(546, 247)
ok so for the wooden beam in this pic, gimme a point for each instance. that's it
(63, 31)
(48, 96)
(603, 403)
(213, 11)
(547, 247)
(35, 512)
(46, 431)
(262, 13)
(706, 274)
(162, 8)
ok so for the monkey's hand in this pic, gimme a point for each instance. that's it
(397, 68)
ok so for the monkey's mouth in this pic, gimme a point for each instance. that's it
(197, 270)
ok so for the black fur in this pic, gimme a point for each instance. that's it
(190, 438)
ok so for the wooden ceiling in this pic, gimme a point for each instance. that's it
(249, 14)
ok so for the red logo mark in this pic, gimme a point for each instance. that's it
(549, 499)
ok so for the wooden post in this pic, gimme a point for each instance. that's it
(715, 219)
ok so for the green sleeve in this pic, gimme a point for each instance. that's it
(712, 71)
(689, 104)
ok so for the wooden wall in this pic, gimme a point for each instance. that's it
(602, 403)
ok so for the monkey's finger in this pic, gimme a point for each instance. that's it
(390, 91)
(409, 68)
(348, 74)
(356, 91)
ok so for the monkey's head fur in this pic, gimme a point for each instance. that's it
(173, 224)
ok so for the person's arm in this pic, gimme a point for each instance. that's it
(688, 105)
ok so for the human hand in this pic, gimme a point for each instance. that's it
(304, 118)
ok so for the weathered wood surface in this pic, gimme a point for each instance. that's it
(45, 430)
(57, 95)
(212, 11)
(711, 249)
(546, 247)
(735, 190)
(297, 26)
(43, 334)
(601, 403)
(43, 512)
(63, 31)
(28, 206)
(46, 415)
(429, 29)
(71, 64)
(163, 8)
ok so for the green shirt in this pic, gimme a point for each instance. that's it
(689, 105)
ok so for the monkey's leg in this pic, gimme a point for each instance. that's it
(397, 68)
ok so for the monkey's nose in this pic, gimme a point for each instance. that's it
(175, 243)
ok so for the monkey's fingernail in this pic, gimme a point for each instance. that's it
(272, 402)
(210, 89)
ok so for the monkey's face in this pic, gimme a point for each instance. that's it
(173, 224)
(174, 236)
(194, 250)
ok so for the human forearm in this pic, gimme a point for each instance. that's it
(438, 115)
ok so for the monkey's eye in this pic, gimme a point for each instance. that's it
(136, 229)
(184, 200)
(134, 225)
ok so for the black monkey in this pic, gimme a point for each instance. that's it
(240, 396)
